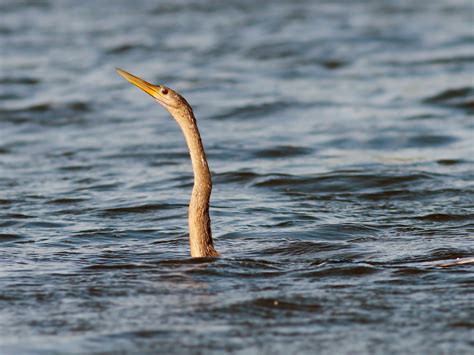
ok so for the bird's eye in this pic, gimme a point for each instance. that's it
(164, 91)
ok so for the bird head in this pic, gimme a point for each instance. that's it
(167, 97)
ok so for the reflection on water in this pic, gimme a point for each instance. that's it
(340, 141)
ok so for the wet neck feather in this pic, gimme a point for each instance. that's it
(200, 236)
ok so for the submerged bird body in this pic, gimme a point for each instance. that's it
(200, 236)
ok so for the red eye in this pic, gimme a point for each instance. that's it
(164, 91)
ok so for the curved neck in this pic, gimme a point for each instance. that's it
(200, 236)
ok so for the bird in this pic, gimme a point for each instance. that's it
(200, 235)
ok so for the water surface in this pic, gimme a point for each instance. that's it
(340, 139)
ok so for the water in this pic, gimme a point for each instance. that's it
(340, 138)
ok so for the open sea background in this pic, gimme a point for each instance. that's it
(340, 139)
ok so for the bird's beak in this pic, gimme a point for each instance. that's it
(150, 89)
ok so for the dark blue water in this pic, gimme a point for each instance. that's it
(340, 139)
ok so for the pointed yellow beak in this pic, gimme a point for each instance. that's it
(150, 89)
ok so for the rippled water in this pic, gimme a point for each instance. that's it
(340, 138)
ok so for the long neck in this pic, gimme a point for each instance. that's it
(200, 236)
